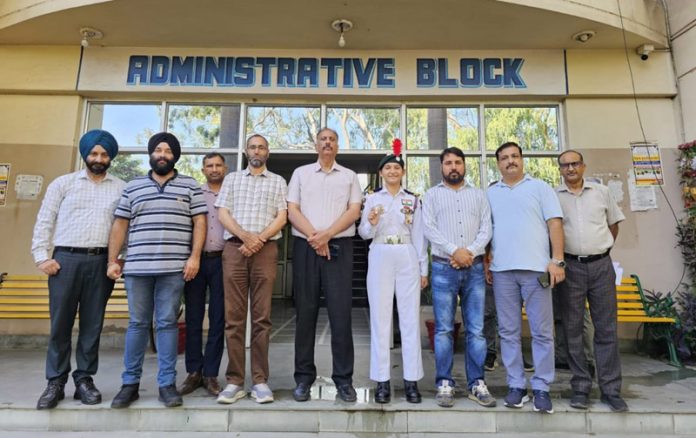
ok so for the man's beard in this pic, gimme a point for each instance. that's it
(453, 178)
(161, 169)
(256, 163)
(98, 168)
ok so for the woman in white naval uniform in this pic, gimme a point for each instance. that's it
(397, 264)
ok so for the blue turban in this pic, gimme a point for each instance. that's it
(101, 138)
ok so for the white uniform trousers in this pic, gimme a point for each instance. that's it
(394, 268)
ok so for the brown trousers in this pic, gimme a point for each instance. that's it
(248, 279)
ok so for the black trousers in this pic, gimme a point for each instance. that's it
(80, 284)
(311, 276)
(593, 281)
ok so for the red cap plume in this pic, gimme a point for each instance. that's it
(396, 147)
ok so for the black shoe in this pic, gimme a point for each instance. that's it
(615, 402)
(301, 392)
(489, 364)
(54, 392)
(579, 400)
(127, 395)
(346, 392)
(411, 390)
(529, 367)
(383, 392)
(169, 396)
(87, 392)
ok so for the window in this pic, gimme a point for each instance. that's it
(204, 126)
(285, 127)
(131, 124)
(364, 128)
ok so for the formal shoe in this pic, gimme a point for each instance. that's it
(212, 385)
(346, 392)
(542, 402)
(87, 392)
(489, 364)
(479, 393)
(445, 395)
(560, 365)
(529, 367)
(169, 396)
(383, 392)
(615, 402)
(261, 393)
(54, 392)
(127, 395)
(412, 393)
(301, 392)
(192, 382)
(516, 398)
(579, 400)
(231, 394)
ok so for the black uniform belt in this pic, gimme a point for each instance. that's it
(76, 250)
(211, 254)
(585, 259)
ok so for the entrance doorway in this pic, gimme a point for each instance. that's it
(365, 166)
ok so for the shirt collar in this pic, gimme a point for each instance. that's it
(466, 185)
(334, 166)
(247, 172)
(83, 175)
(500, 182)
(564, 188)
(385, 191)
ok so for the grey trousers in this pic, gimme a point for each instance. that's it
(594, 282)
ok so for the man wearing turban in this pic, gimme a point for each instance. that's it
(164, 214)
(74, 222)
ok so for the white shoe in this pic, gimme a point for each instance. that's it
(445, 395)
(261, 393)
(231, 394)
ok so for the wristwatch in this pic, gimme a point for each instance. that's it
(559, 263)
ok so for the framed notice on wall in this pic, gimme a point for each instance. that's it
(4, 182)
(647, 164)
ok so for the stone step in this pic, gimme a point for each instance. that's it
(201, 414)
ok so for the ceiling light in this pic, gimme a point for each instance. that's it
(342, 25)
(584, 36)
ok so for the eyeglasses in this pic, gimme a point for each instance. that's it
(574, 165)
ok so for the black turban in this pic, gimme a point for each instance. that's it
(168, 138)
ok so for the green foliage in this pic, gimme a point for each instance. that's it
(686, 233)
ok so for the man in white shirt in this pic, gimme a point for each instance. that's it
(74, 220)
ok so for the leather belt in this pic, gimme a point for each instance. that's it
(393, 239)
(234, 239)
(446, 261)
(587, 258)
(211, 254)
(88, 251)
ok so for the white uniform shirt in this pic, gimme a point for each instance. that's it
(398, 211)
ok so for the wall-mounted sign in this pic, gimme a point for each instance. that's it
(28, 187)
(4, 182)
(400, 73)
(647, 164)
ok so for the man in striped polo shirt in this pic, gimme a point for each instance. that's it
(457, 222)
(164, 214)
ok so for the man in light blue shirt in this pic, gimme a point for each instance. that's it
(526, 217)
(457, 222)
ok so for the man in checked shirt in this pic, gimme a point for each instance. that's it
(75, 218)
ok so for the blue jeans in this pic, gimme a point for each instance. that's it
(468, 284)
(145, 293)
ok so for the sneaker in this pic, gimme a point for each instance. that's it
(479, 393)
(445, 395)
(261, 393)
(516, 398)
(542, 402)
(231, 394)
(490, 363)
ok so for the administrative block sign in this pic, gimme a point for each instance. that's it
(401, 73)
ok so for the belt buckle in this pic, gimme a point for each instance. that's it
(92, 251)
(583, 259)
(393, 239)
